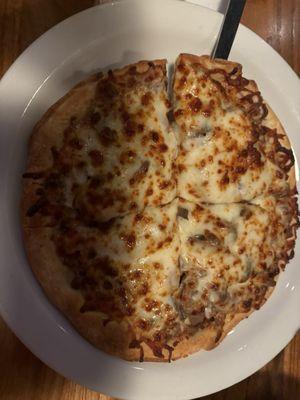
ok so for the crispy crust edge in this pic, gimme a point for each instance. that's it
(273, 122)
(192, 58)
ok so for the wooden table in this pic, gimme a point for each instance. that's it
(22, 375)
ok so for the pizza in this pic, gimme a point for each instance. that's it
(156, 223)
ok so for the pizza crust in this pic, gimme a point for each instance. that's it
(207, 61)
(272, 121)
(48, 132)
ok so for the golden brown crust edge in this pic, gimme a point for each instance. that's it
(272, 121)
(207, 61)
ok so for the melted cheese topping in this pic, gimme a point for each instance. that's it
(221, 158)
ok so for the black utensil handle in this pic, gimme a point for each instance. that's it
(229, 27)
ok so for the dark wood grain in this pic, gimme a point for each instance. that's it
(22, 375)
(278, 22)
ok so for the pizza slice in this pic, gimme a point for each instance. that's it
(233, 148)
(115, 282)
(103, 150)
(230, 257)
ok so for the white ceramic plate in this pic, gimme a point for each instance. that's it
(111, 36)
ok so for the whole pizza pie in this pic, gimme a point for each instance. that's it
(156, 223)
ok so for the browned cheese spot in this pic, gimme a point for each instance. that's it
(195, 105)
(146, 98)
(107, 136)
(96, 157)
(129, 240)
(140, 173)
